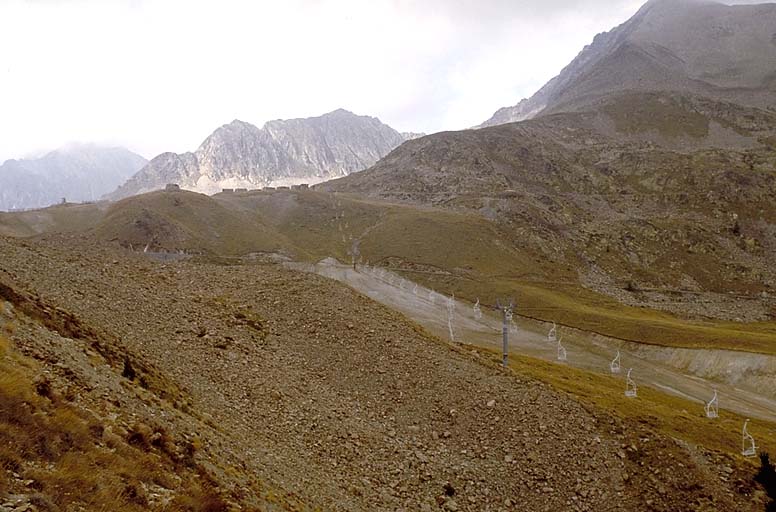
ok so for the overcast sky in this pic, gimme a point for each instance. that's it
(161, 75)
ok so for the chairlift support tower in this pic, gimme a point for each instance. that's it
(630, 386)
(614, 366)
(712, 408)
(748, 448)
(506, 315)
(477, 310)
(562, 354)
(450, 312)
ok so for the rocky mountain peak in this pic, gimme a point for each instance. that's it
(696, 47)
(77, 172)
(282, 152)
(340, 112)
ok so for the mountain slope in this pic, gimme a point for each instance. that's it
(460, 251)
(625, 216)
(686, 46)
(287, 391)
(77, 173)
(188, 222)
(647, 168)
(283, 152)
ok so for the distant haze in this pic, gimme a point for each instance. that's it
(160, 75)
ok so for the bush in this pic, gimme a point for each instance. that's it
(140, 437)
(43, 388)
(128, 372)
(766, 477)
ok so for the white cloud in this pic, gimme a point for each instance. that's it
(161, 75)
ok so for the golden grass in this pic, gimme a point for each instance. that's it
(670, 415)
(186, 221)
(575, 307)
(68, 459)
(58, 218)
(474, 259)
(585, 310)
(451, 251)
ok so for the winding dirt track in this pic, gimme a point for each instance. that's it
(742, 380)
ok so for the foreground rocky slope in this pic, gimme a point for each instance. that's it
(330, 399)
(646, 166)
(283, 152)
(64, 451)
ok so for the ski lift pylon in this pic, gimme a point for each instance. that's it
(561, 350)
(552, 336)
(630, 386)
(748, 448)
(450, 313)
(614, 366)
(712, 408)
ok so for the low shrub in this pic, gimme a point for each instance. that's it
(766, 477)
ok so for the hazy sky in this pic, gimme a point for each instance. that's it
(161, 75)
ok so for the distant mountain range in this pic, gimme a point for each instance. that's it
(77, 173)
(283, 152)
(694, 47)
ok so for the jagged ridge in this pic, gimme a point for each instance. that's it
(686, 46)
(283, 152)
(77, 173)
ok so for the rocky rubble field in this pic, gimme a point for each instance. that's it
(303, 394)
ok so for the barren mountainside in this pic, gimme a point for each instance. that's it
(571, 308)
(283, 152)
(290, 392)
(76, 173)
(647, 164)
(627, 216)
(683, 46)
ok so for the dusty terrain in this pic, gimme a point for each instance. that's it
(297, 387)
(746, 381)
(449, 249)
(642, 222)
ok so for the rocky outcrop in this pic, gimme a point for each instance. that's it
(633, 165)
(76, 173)
(685, 46)
(283, 152)
(163, 169)
(660, 216)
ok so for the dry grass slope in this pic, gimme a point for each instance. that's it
(60, 457)
(453, 251)
(185, 221)
(673, 416)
